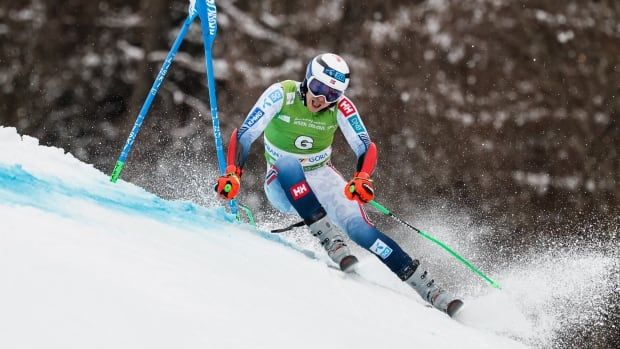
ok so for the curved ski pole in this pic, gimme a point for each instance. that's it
(429, 237)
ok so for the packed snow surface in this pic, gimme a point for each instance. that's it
(86, 263)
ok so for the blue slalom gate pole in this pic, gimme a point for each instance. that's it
(207, 11)
(120, 163)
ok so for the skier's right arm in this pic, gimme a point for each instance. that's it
(267, 106)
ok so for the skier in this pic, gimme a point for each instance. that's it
(299, 120)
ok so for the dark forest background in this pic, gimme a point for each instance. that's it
(506, 111)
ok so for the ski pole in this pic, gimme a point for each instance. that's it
(290, 227)
(427, 236)
(120, 163)
(208, 23)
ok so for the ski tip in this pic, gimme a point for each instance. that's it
(347, 264)
(454, 307)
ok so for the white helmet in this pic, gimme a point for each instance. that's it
(327, 75)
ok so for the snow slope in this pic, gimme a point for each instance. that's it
(85, 263)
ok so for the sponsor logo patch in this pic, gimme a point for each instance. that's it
(290, 98)
(254, 116)
(356, 123)
(315, 159)
(285, 118)
(333, 73)
(381, 249)
(346, 107)
(276, 96)
(272, 152)
(318, 158)
(299, 190)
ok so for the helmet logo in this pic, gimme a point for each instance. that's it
(333, 73)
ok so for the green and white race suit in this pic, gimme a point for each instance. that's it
(292, 131)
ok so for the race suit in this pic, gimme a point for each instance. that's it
(300, 177)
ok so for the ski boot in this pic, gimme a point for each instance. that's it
(334, 244)
(422, 283)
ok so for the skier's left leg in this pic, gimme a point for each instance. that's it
(352, 219)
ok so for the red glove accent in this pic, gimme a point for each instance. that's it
(227, 186)
(360, 188)
(234, 169)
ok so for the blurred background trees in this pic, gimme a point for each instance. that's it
(507, 108)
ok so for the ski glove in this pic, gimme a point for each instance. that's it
(227, 186)
(360, 188)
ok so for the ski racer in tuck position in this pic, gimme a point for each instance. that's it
(299, 120)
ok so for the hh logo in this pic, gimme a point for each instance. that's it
(346, 107)
(300, 190)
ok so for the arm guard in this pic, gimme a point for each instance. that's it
(234, 155)
(368, 161)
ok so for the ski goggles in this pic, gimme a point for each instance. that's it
(319, 89)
